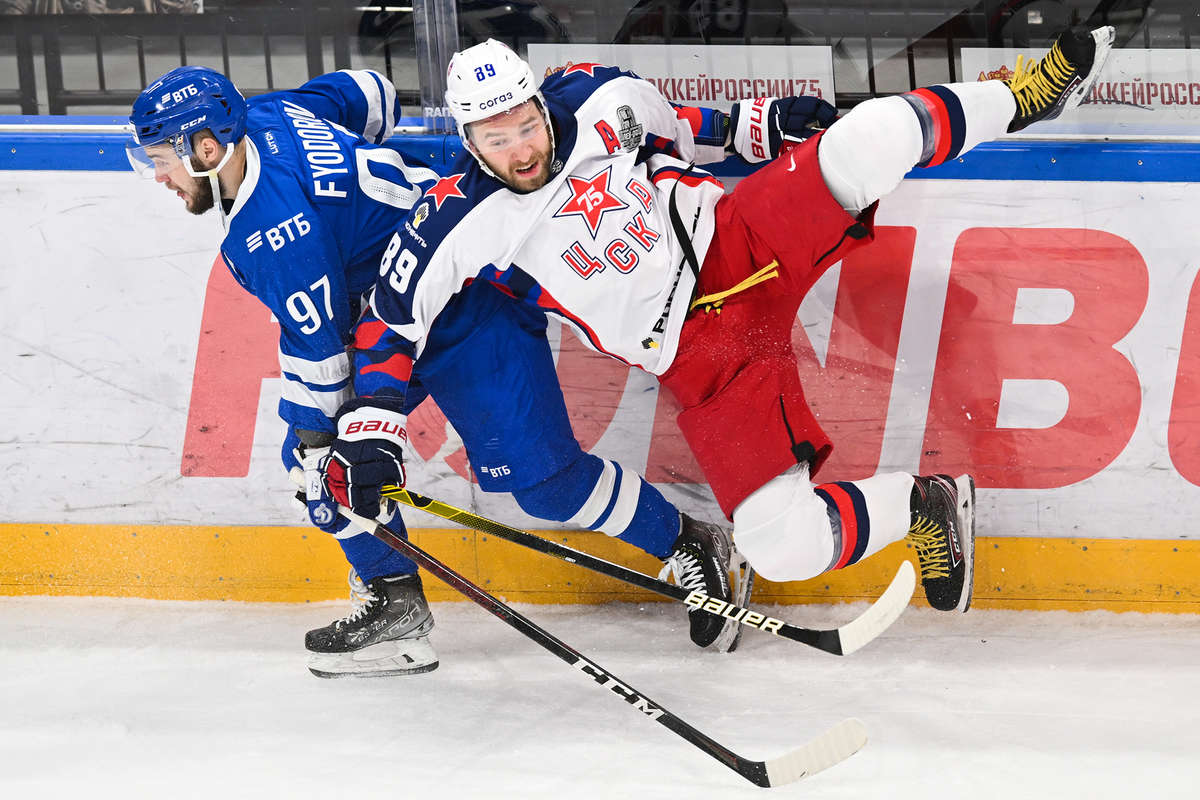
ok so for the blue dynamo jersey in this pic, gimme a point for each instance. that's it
(314, 212)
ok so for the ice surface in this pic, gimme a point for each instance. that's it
(105, 698)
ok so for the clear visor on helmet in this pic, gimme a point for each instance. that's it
(157, 158)
(165, 156)
(507, 129)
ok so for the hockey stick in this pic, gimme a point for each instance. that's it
(834, 745)
(839, 641)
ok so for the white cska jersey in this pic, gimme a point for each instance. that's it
(595, 245)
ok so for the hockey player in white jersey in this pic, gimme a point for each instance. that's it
(309, 206)
(593, 210)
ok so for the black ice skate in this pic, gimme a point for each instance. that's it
(700, 562)
(943, 534)
(1062, 79)
(385, 634)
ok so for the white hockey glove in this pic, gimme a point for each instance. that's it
(309, 454)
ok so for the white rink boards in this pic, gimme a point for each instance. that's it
(1043, 335)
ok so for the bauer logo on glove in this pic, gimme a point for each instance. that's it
(761, 128)
(377, 426)
(367, 455)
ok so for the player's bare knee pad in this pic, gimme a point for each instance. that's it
(783, 529)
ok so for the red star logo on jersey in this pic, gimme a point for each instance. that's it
(589, 199)
(590, 69)
(446, 188)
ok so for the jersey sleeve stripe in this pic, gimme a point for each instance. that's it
(329, 386)
(372, 94)
(389, 108)
(330, 370)
(708, 125)
(327, 402)
(691, 177)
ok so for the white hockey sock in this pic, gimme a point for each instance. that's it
(785, 528)
(865, 155)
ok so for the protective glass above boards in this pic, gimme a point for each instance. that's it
(697, 51)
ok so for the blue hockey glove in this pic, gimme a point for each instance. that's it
(367, 454)
(760, 128)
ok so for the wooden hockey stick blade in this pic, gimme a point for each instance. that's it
(831, 747)
(882, 613)
(839, 641)
(836, 744)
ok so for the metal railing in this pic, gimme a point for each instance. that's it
(125, 43)
(892, 46)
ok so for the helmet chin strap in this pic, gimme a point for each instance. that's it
(214, 182)
(483, 165)
(549, 130)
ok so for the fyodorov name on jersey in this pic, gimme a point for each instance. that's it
(322, 150)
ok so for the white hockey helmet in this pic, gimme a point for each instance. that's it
(489, 79)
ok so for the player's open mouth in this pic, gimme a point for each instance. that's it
(525, 172)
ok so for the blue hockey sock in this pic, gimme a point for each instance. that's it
(655, 524)
(371, 557)
(598, 495)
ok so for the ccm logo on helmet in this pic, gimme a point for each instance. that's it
(496, 100)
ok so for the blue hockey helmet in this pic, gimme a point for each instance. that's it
(182, 102)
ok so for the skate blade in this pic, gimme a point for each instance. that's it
(1103, 37)
(385, 659)
(966, 537)
(740, 583)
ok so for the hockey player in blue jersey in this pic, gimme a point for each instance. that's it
(308, 205)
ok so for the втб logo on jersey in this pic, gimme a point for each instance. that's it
(446, 188)
(589, 199)
(276, 236)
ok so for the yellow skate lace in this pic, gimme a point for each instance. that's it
(929, 540)
(1037, 84)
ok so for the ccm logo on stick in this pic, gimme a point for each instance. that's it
(631, 696)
